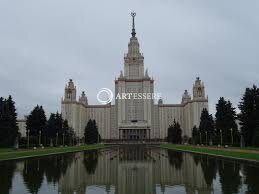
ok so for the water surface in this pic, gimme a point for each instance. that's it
(128, 170)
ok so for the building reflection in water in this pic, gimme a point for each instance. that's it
(127, 170)
(138, 170)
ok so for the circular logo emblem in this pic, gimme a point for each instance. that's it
(104, 96)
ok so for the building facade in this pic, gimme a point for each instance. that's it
(134, 118)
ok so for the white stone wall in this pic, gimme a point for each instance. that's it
(167, 114)
(155, 130)
(159, 117)
(78, 115)
(22, 127)
(114, 133)
(73, 113)
(102, 116)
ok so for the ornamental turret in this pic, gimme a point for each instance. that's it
(186, 97)
(70, 91)
(83, 99)
(198, 89)
(160, 101)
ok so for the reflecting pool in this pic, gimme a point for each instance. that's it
(128, 170)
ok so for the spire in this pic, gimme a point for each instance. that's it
(133, 33)
(133, 46)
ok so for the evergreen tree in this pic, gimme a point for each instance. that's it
(248, 116)
(170, 133)
(206, 126)
(91, 132)
(55, 128)
(175, 133)
(256, 133)
(95, 132)
(226, 122)
(67, 132)
(8, 122)
(51, 127)
(59, 123)
(36, 121)
(195, 135)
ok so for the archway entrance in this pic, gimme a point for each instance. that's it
(134, 134)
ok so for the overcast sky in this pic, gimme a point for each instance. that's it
(43, 43)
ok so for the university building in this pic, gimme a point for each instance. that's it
(134, 119)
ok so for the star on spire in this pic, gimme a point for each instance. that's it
(133, 33)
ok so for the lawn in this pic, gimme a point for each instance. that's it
(10, 154)
(220, 152)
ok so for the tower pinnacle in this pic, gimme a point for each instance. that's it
(133, 33)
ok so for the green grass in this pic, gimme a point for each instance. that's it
(214, 152)
(5, 150)
(10, 154)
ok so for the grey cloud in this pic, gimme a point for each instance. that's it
(44, 43)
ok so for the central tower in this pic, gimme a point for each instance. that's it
(134, 115)
(133, 60)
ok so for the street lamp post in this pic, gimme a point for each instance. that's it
(39, 138)
(232, 139)
(28, 138)
(200, 137)
(221, 136)
(57, 139)
(206, 137)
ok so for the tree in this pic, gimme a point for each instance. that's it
(195, 135)
(67, 132)
(91, 132)
(8, 122)
(96, 133)
(170, 133)
(51, 128)
(248, 115)
(56, 126)
(174, 134)
(36, 122)
(226, 122)
(206, 126)
(256, 133)
(59, 123)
